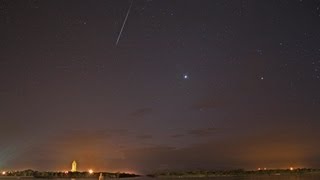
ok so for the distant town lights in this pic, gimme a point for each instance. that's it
(3, 173)
(90, 171)
(291, 169)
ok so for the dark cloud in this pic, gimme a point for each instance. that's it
(145, 136)
(205, 132)
(200, 132)
(98, 133)
(177, 135)
(210, 103)
(139, 113)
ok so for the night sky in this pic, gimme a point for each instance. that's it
(190, 85)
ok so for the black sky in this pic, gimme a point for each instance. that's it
(191, 84)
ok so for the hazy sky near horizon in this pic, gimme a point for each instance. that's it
(191, 84)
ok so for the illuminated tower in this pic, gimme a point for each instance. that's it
(74, 166)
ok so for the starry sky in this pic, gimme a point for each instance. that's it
(190, 85)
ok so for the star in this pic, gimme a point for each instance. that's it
(185, 76)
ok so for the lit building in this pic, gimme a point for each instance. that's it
(74, 166)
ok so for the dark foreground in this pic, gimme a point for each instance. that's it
(256, 177)
(272, 174)
(253, 177)
(31, 174)
(292, 173)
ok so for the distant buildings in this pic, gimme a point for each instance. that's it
(74, 166)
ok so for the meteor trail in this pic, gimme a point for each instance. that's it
(124, 23)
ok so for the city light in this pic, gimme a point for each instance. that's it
(90, 171)
(3, 173)
(291, 168)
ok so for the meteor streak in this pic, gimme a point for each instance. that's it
(124, 22)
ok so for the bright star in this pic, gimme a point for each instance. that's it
(185, 76)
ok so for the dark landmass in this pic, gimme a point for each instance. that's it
(67, 174)
(167, 174)
(237, 172)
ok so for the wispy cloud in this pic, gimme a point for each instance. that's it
(205, 132)
(141, 112)
(145, 136)
(177, 135)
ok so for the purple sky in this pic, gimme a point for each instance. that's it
(191, 84)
